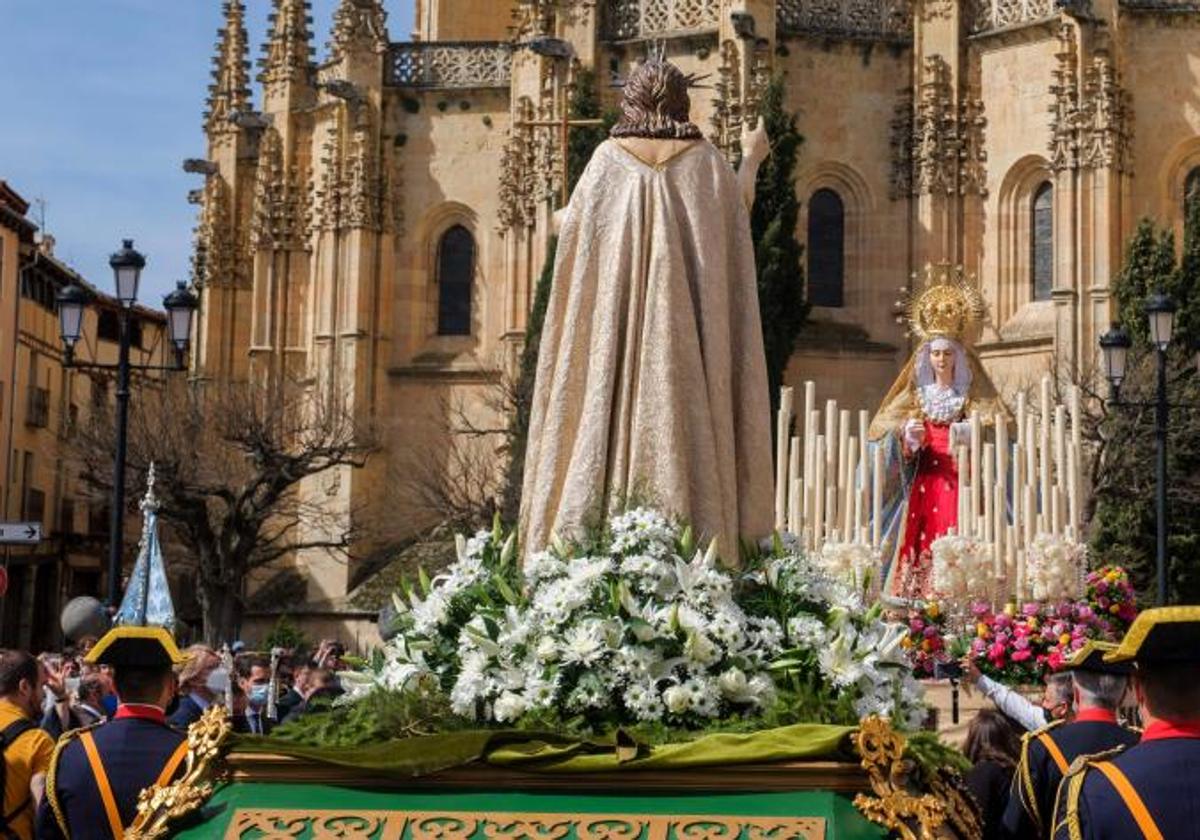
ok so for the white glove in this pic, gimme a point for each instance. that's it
(914, 435)
(960, 434)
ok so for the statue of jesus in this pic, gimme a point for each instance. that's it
(651, 381)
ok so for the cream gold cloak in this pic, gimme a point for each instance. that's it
(651, 380)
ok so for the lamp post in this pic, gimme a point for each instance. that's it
(1160, 312)
(181, 305)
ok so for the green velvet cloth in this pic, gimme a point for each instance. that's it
(550, 753)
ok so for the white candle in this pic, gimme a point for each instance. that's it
(783, 423)
(1060, 445)
(811, 426)
(1073, 518)
(987, 485)
(877, 498)
(794, 487)
(843, 448)
(818, 521)
(964, 489)
(849, 524)
(976, 450)
(830, 510)
(1044, 454)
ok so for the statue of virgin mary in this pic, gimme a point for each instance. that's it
(923, 420)
(651, 379)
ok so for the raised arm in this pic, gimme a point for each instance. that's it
(756, 146)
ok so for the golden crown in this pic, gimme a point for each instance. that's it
(948, 305)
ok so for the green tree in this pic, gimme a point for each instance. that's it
(778, 254)
(1124, 526)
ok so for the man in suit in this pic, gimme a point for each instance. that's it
(1150, 790)
(202, 682)
(1047, 753)
(97, 773)
(86, 708)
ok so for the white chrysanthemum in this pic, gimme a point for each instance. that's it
(508, 707)
(806, 631)
(543, 565)
(584, 644)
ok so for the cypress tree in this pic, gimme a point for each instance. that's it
(778, 254)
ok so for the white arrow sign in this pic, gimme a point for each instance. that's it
(20, 533)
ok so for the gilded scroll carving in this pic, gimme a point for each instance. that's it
(270, 824)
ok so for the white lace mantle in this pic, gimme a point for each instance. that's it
(941, 405)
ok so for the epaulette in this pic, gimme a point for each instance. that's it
(52, 773)
(1073, 783)
(1028, 796)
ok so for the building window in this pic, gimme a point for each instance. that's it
(1042, 241)
(108, 326)
(826, 249)
(1191, 192)
(455, 272)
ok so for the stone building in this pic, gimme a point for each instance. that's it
(372, 225)
(41, 403)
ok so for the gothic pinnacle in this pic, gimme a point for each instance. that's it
(287, 55)
(358, 25)
(230, 90)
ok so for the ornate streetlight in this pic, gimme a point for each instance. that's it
(1160, 312)
(181, 305)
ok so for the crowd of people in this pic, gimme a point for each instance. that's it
(1137, 726)
(46, 700)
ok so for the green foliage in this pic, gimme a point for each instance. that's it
(381, 717)
(1124, 526)
(778, 254)
(286, 634)
(582, 143)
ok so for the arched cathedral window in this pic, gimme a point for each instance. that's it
(1191, 192)
(1041, 258)
(826, 249)
(455, 273)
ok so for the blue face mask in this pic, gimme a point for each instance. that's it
(109, 702)
(258, 695)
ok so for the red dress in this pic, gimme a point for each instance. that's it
(932, 509)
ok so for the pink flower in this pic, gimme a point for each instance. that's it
(1031, 609)
(1021, 655)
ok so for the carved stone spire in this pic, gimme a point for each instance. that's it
(358, 26)
(287, 55)
(230, 90)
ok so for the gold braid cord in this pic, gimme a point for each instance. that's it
(158, 807)
(944, 812)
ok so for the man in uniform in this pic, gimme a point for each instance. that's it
(1150, 790)
(97, 772)
(1047, 753)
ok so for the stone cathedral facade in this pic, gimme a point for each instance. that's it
(372, 224)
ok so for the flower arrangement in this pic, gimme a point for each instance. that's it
(1022, 645)
(926, 639)
(635, 626)
(1056, 568)
(1110, 593)
(852, 562)
(961, 567)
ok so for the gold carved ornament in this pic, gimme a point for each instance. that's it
(465, 825)
(159, 807)
(946, 811)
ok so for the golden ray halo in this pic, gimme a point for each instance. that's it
(943, 302)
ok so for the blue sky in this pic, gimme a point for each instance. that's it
(100, 102)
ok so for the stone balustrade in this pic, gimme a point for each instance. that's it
(989, 15)
(864, 20)
(450, 65)
(631, 20)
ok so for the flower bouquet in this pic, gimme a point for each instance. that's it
(1056, 568)
(635, 626)
(961, 567)
(926, 639)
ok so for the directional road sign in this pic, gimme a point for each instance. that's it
(20, 533)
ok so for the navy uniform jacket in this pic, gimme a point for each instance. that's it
(187, 712)
(1031, 805)
(1165, 774)
(133, 750)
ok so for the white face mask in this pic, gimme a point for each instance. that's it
(217, 681)
(71, 684)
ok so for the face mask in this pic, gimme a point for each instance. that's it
(109, 703)
(217, 681)
(258, 695)
(71, 684)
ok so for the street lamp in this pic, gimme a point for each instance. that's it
(181, 305)
(1160, 312)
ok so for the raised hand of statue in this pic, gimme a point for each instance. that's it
(914, 435)
(756, 145)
